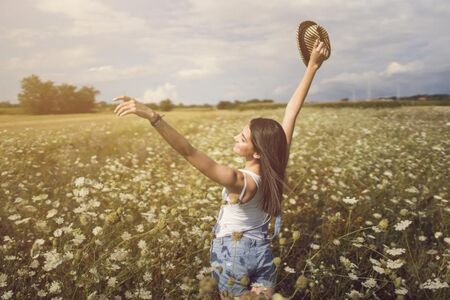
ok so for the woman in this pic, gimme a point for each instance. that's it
(241, 251)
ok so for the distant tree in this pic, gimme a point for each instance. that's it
(224, 105)
(6, 104)
(67, 99)
(85, 99)
(166, 105)
(38, 97)
(153, 106)
(344, 100)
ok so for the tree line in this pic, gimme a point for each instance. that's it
(44, 97)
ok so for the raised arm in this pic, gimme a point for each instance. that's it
(318, 54)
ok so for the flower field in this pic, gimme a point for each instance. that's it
(101, 207)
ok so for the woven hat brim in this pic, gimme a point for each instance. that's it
(307, 33)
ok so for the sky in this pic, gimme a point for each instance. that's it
(199, 51)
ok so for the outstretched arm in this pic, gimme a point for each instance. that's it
(226, 176)
(295, 104)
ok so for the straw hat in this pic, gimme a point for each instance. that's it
(307, 33)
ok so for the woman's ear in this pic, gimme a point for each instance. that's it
(256, 155)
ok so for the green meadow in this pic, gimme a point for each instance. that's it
(95, 206)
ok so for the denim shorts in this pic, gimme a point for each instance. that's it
(246, 257)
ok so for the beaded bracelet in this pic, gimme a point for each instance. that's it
(156, 122)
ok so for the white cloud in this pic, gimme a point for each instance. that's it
(52, 59)
(24, 37)
(91, 17)
(208, 66)
(395, 68)
(162, 92)
(230, 46)
(111, 73)
(281, 89)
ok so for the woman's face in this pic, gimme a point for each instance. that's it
(243, 145)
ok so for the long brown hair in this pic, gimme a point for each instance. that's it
(270, 143)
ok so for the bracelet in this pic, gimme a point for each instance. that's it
(156, 122)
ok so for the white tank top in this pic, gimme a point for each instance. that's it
(240, 217)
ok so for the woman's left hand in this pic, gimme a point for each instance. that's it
(131, 105)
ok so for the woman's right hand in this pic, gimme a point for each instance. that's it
(318, 55)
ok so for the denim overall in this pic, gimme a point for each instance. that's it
(239, 261)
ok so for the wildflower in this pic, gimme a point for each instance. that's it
(412, 189)
(438, 234)
(301, 282)
(277, 296)
(349, 200)
(51, 213)
(36, 248)
(447, 240)
(277, 261)
(422, 238)
(79, 181)
(377, 216)
(7, 295)
(42, 293)
(142, 244)
(404, 212)
(336, 242)
(295, 235)
(347, 263)
(78, 239)
(402, 225)
(383, 224)
(354, 294)
(97, 230)
(401, 291)
(52, 260)
(395, 251)
(92, 296)
(55, 287)
(370, 283)
(58, 232)
(112, 281)
(378, 269)
(244, 281)
(147, 276)
(119, 254)
(3, 278)
(434, 285)
(231, 281)
(395, 264)
(140, 228)
(14, 217)
(314, 246)
(125, 236)
(289, 269)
